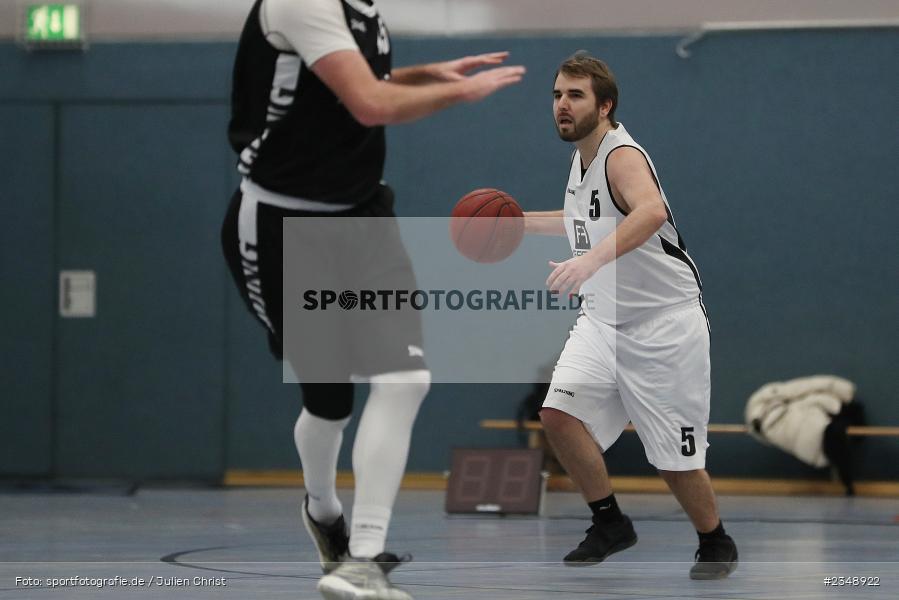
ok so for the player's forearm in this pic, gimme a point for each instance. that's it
(640, 225)
(549, 222)
(413, 75)
(393, 103)
(374, 102)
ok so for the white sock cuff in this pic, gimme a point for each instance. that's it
(371, 512)
(368, 532)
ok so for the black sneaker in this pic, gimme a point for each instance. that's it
(715, 559)
(364, 579)
(602, 541)
(331, 541)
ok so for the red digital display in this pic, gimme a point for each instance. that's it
(506, 481)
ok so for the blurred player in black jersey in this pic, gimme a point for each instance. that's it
(313, 86)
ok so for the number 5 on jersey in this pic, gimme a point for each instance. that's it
(594, 205)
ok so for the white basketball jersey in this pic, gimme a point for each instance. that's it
(656, 275)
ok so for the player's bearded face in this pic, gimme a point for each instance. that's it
(573, 129)
(574, 108)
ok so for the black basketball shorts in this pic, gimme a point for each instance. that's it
(353, 249)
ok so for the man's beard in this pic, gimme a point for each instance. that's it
(580, 130)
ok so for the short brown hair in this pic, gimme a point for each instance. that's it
(581, 64)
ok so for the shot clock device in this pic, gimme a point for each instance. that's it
(499, 481)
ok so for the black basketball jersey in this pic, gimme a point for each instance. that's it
(293, 135)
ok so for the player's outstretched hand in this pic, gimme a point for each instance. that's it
(480, 85)
(454, 70)
(568, 276)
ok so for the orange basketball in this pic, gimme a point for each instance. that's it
(487, 225)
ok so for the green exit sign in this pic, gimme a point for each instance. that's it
(53, 25)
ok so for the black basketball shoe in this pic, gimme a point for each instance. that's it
(602, 541)
(715, 559)
(332, 541)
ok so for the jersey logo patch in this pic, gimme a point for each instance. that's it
(358, 25)
(383, 38)
(416, 351)
(581, 237)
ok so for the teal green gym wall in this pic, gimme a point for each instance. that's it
(777, 152)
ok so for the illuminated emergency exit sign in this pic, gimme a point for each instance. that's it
(48, 25)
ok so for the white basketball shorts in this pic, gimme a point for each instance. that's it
(654, 373)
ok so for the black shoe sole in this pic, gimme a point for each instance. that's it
(595, 560)
(730, 568)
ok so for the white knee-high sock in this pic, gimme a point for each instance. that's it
(318, 443)
(380, 453)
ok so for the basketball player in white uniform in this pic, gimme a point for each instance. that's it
(639, 351)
